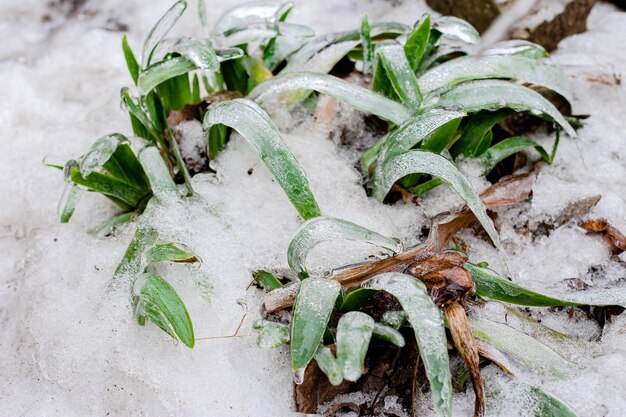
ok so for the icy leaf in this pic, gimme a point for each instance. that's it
(267, 280)
(160, 30)
(522, 69)
(544, 404)
(522, 347)
(473, 139)
(329, 364)
(247, 14)
(412, 133)
(161, 181)
(418, 161)
(516, 47)
(163, 71)
(257, 128)
(359, 97)
(69, 202)
(427, 323)
(400, 73)
(321, 229)
(159, 302)
(314, 304)
(134, 261)
(354, 332)
(202, 55)
(389, 334)
(453, 27)
(169, 252)
(478, 95)
(492, 286)
(416, 43)
(273, 335)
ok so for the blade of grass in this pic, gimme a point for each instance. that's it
(314, 304)
(321, 229)
(416, 44)
(400, 73)
(427, 323)
(160, 29)
(424, 162)
(354, 332)
(257, 128)
(359, 97)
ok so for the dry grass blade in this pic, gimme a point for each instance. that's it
(466, 346)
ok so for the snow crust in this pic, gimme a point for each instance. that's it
(70, 346)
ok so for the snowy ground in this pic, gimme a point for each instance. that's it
(70, 347)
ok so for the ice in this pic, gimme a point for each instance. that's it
(70, 344)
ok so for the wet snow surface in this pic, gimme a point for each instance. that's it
(69, 344)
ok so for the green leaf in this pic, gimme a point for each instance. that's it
(359, 97)
(400, 73)
(169, 252)
(479, 95)
(125, 195)
(161, 181)
(248, 13)
(267, 280)
(427, 323)
(389, 334)
(354, 332)
(329, 364)
(321, 229)
(411, 133)
(471, 142)
(216, 140)
(522, 347)
(314, 304)
(106, 227)
(257, 128)
(131, 61)
(368, 49)
(522, 69)
(159, 302)
(160, 29)
(492, 286)
(163, 71)
(355, 299)
(508, 147)
(424, 162)
(416, 44)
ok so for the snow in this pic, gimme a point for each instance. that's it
(70, 345)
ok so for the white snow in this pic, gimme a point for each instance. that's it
(70, 345)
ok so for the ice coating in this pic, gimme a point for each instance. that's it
(258, 129)
(328, 364)
(99, 153)
(400, 73)
(517, 47)
(314, 304)
(495, 94)
(389, 334)
(424, 162)
(453, 27)
(246, 14)
(520, 68)
(525, 349)
(359, 97)
(201, 54)
(160, 30)
(162, 71)
(354, 332)
(413, 132)
(161, 182)
(273, 335)
(322, 228)
(425, 318)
